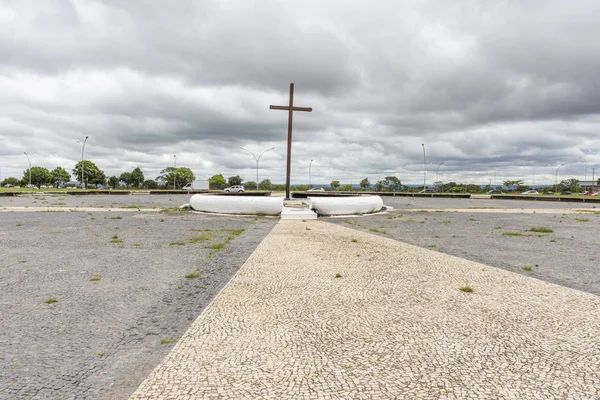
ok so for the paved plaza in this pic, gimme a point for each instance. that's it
(337, 308)
(321, 311)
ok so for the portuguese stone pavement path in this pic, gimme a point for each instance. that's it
(320, 311)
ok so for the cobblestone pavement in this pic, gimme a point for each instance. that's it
(122, 296)
(321, 311)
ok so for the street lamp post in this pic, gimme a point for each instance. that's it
(437, 172)
(174, 172)
(257, 159)
(309, 165)
(424, 166)
(556, 178)
(82, 166)
(29, 162)
(584, 168)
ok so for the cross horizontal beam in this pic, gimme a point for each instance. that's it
(294, 108)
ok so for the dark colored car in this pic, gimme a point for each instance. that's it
(566, 192)
(548, 192)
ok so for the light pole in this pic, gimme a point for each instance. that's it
(174, 172)
(424, 167)
(1, 165)
(257, 159)
(437, 172)
(533, 177)
(309, 165)
(556, 178)
(82, 167)
(584, 168)
(29, 162)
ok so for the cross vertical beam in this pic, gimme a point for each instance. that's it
(290, 108)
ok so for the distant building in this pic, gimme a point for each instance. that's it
(588, 184)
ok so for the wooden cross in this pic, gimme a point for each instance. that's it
(290, 108)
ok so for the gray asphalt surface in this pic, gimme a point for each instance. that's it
(103, 336)
(567, 256)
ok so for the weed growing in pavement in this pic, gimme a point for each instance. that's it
(553, 240)
(116, 241)
(466, 288)
(435, 237)
(19, 224)
(166, 341)
(216, 247)
(177, 244)
(589, 211)
(582, 219)
(116, 217)
(377, 230)
(99, 355)
(200, 238)
(445, 222)
(95, 278)
(137, 245)
(513, 234)
(498, 227)
(352, 223)
(357, 255)
(527, 269)
(132, 206)
(51, 300)
(192, 275)
(307, 228)
(396, 216)
(338, 275)
(541, 229)
(354, 240)
(431, 245)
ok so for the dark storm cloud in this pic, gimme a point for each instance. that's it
(487, 86)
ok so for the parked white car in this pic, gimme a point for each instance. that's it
(531, 192)
(235, 189)
(316, 189)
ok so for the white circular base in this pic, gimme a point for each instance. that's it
(251, 205)
(346, 205)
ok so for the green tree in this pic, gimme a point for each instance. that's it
(137, 177)
(250, 185)
(334, 185)
(379, 186)
(512, 185)
(176, 176)
(392, 183)
(114, 182)
(92, 174)
(217, 182)
(569, 184)
(234, 180)
(365, 184)
(265, 184)
(150, 184)
(59, 175)
(126, 177)
(10, 181)
(39, 176)
(346, 188)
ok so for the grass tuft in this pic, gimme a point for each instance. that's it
(527, 269)
(377, 230)
(95, 278)
(466, 288)
(116, 217)
(338, 275)
(541, 229)
(51, 300)
(166, 341)
(582, 219)
(192, 275)
(177, 244)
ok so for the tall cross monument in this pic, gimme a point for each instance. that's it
(290, 108)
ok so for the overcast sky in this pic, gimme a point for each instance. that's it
(495, 90)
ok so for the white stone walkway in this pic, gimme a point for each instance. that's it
(394, 326)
